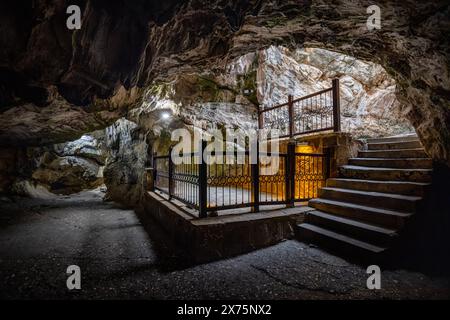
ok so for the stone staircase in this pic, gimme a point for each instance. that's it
(363, 210)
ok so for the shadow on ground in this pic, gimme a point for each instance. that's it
(119, 259)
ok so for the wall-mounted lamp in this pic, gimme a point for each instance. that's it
(165, 115)
(247, 92)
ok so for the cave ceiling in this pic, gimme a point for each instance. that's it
(56, 83)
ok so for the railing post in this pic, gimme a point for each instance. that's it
(170, 174)
(291, 115)
(336, 106)
(327, 163)
(154, 173)
(290, 174)
(260, 120)
(255, 178)
(202, 182)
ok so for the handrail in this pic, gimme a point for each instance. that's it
(313, 94)
(296, 100)
(298, 116)
(273, 107)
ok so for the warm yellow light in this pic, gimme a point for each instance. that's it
(304, 148)
(308, 173)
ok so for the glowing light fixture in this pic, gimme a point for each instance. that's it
(165, 115)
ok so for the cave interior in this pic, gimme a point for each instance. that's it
(84, 112)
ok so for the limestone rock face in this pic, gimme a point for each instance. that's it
(265, 78)
(124, 173)
(104, 69)
(73, 166)
(59, 169)
(68, 174)
(57, 122)
(88, 147)
(368, 103)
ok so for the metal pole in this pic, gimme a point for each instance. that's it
(202, 182)
(152, 187)
(336, 106)
(290, 174)
(255, 180)
(170, 174)
(260, 118)
(327, 164)
(291, 115)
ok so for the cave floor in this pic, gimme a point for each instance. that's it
(119, 259)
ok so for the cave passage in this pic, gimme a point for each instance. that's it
(364, 113)
(39, 239)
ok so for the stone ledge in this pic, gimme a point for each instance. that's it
(223, 236)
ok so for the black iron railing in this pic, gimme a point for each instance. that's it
(178, 181)
(236, 182)
(316, 112)
(161, 174)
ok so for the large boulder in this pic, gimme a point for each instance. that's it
(124, 173)
(67, 174)
(62, 169)
(88, 147)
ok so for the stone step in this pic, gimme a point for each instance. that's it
(311, 233)
(398, 187)
(405, 163)
(385, 174)
(353, 228)
(381, 217)
(395, 145)
(402, 153)
(389, 201)
(410, 137)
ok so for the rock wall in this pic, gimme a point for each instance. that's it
(124, 173)
(71, 167)
(8, 163)
(57, 169)
(230, 99)
(64, 83)
(368, 103)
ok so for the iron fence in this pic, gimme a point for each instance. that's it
(238, 183)
(311, 171)
(316, 112)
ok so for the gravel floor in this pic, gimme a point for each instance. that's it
(39, 239)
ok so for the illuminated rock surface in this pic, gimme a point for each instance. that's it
(99, 73)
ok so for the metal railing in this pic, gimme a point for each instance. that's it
(209, 186)
(316, 112)
(178, 181)
(232, 184)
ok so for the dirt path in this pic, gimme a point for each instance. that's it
(39, 239)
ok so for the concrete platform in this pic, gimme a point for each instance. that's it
(225, 235)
